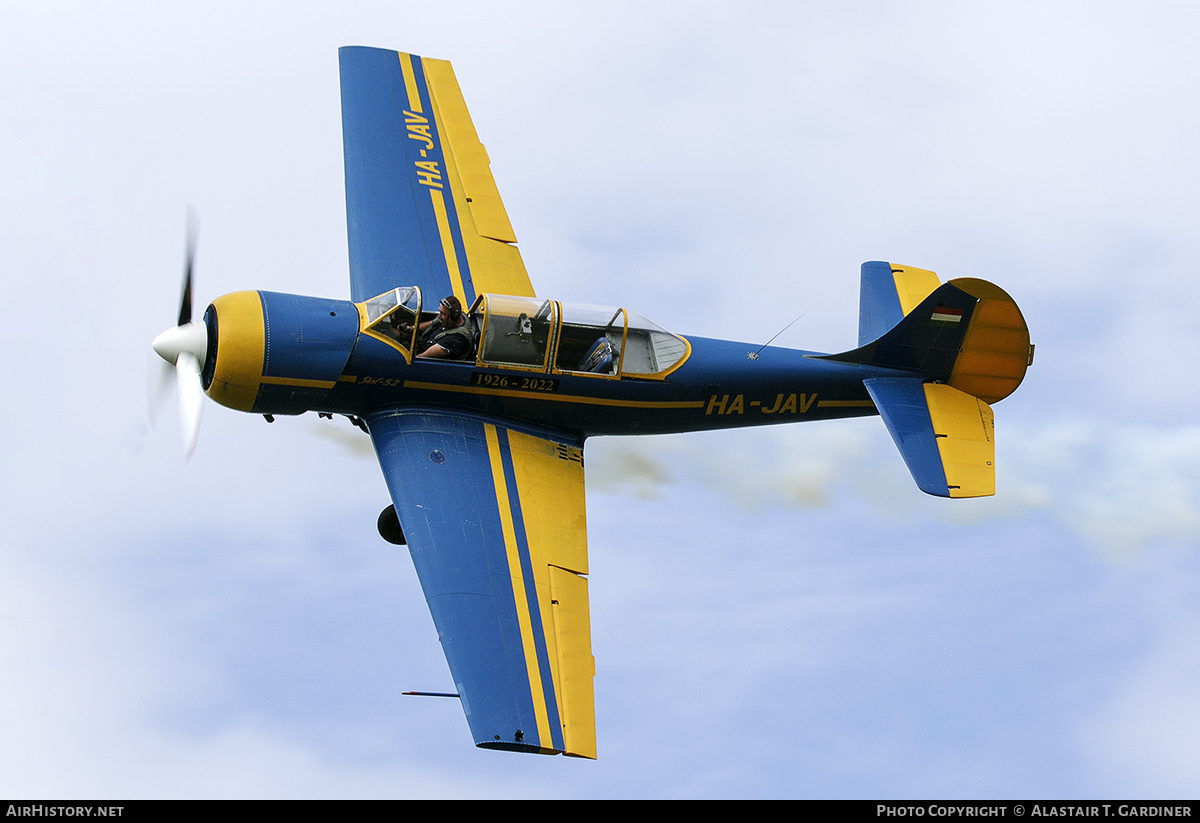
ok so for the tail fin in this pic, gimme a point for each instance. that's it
(887, 293)
(965, 345)
(967, 333)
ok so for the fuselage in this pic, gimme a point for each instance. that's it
(718, 387)
(286, 354)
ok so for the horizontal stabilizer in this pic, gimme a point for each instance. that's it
(945, 436)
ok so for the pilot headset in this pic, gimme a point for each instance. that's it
(449, 306)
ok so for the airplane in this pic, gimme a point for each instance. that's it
(483, 455)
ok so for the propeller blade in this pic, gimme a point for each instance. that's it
(185, 347)
(185, 300)
(191, 398)
(158, 379)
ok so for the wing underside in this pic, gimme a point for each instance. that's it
(421, 205)
(495, 523)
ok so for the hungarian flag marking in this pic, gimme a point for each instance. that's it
(946, 317)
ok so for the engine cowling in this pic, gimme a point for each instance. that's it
(272, 353)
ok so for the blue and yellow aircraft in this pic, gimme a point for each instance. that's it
(483, 455)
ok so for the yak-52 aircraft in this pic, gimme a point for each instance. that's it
(483, 455)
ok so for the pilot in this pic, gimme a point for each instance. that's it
(447, 336)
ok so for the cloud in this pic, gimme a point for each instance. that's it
(1117, 486)
(1143, 736)
(1120, 486)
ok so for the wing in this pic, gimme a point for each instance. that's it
(494, 519)
(421, 205)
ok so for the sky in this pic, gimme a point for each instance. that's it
(774, 613)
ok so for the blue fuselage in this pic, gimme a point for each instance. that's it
(718, 387)
(315, 358)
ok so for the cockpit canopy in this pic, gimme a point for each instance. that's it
(532, 334)
(393, 317)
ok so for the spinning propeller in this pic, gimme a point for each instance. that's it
(185, 347)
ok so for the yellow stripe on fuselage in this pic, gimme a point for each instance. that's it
(561, 398)
(846, 404)
(518, 585)
(410, 82)
(297, 381)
